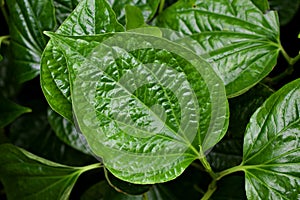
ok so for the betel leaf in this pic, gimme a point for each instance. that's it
(236, 38)
(271, 156)
(263, 5)
(28, 20)
(134, 17)
(67, 132)
(286, 9)
(63, 8)
(148, 8)
(26, 176)
(9, 111)
(90, 17)
(146, 105)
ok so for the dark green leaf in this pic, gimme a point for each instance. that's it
(67, 132)
(271, 157)
(102, 191)
(63, 8)
(263, 5)
(87, 19)
(9, 111)
(155, 103)
(286, 9)
(236, 38)
(26, 176)
(28, 20)
(148, 8)
(134, 17)
(1, 58)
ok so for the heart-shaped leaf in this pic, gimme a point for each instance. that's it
(28, 20)
(90, 17)
(236, 38)
(146, 105)
(271, 157)
(26, 176)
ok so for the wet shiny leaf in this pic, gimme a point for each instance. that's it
(271, 156)
(286, 9)
(143, 103)
(26, 176)
(90, 17)
(236, 38)
(28, 20)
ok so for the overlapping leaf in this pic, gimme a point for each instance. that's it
(286, 9)
(90, 17)
(26, 176)
(155, 103)
(28, 20)
(235, 37)
(271, 158)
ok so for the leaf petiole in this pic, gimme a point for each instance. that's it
(4, 11)
(206, 164)
(291, 61)
(230, 171)
(161, 6)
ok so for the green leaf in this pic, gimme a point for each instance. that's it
(28, 20)
(148, 8)
(9, 111)
(286, 9)
(134, 17)
(26, 176)
(67, 132)
(236, 38)
(180, 106)
(63, 8)
(263, 5)
(90, 17)
(271, 157)
(1, 58)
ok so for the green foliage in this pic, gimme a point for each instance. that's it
(139, 90)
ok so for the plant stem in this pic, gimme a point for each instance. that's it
(291, 61)
(92, 166)
(4, 11)
(211, 189)
(230, 171)
(161, 6)
(4, 38)
(206, 164)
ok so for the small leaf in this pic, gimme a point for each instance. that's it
(286, 9)
(148, 8)
(90, 17)
(28, 20)
(271, 157)
(67, 132)
(134, 17)
(145, 104)
(9, 111)
(26, 176)
(236, 38)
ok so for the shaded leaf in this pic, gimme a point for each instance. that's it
(67, 132)
(63, 8)
(147, 130)
(26, 176)
(134, 17)
(148, 8)
(263, 5)
(271, 157)
(90, 17)
(236, 38)
(9, 111)
(286, 9)
(28, 20)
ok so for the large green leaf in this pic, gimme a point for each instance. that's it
(235, 37)
(145, 104)
(263, 5)
(148, 8)
(90, 17)
(286, 9)
(9, 111)
(26, 176)
(28, 20)
(271, 157)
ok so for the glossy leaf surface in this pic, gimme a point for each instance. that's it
(153, 105)
(9, 111)
(236, 38)
(271, 157)
(148, 8)
(26, 176)
(263, 5)
(63, 8)
(90, 17)
(28, 20)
